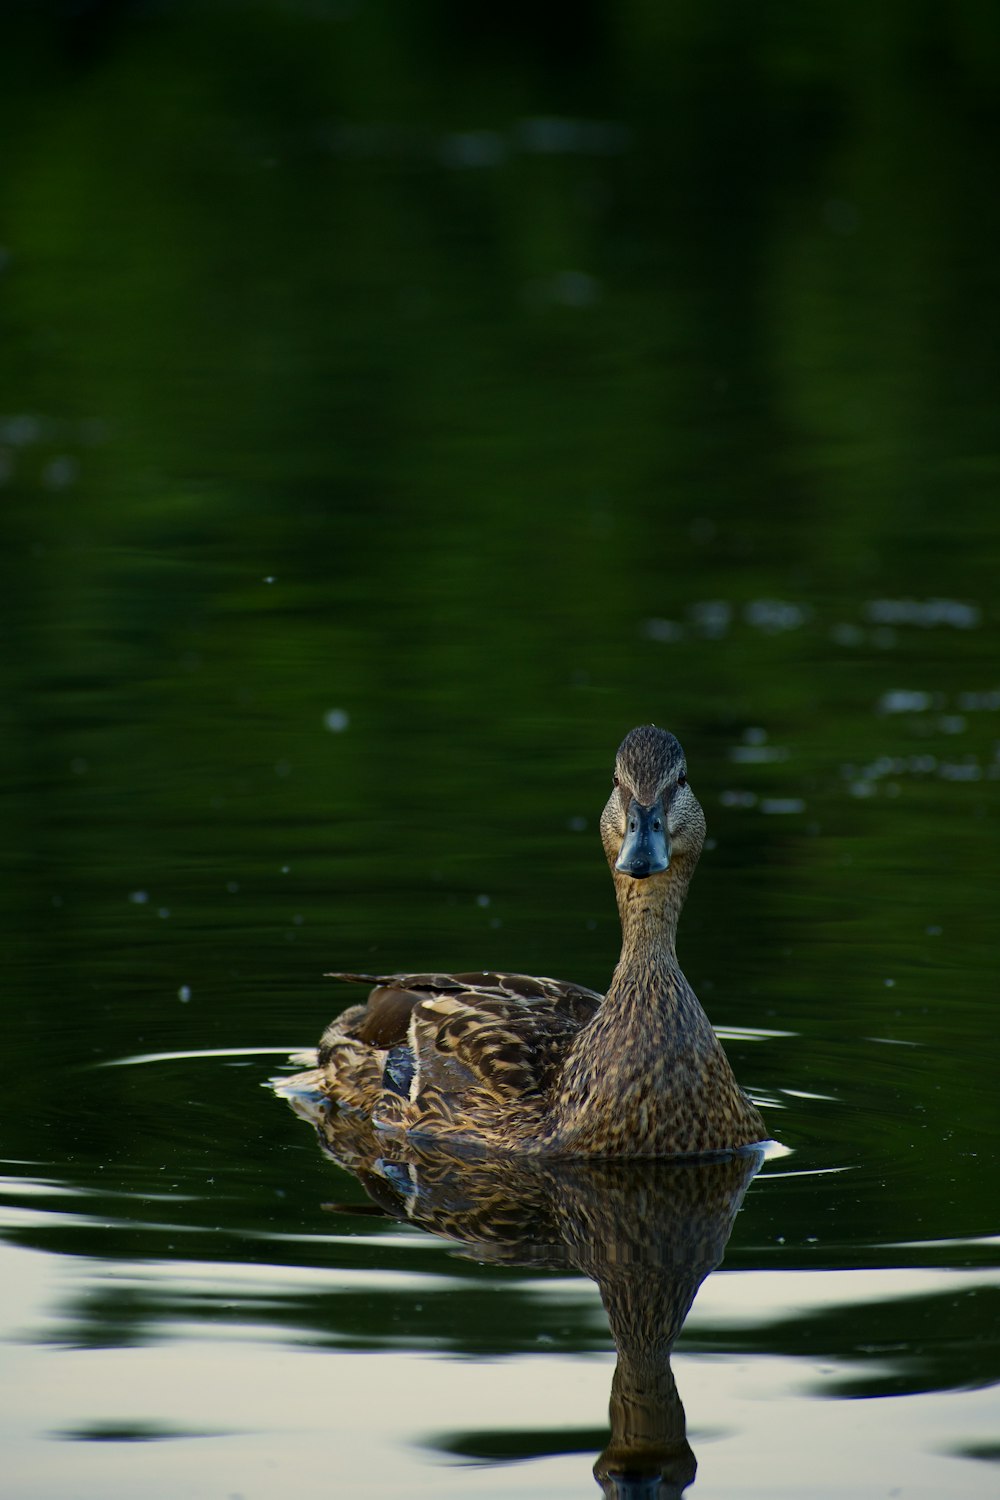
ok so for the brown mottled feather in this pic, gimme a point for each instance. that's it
(513, 1063)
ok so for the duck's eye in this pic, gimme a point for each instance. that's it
(615, 779)
(682, 779)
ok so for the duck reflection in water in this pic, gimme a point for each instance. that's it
(648, 1233)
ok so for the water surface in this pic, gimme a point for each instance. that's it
(391, 416)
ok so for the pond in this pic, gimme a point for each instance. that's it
(391, 416)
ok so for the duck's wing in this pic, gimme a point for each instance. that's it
(441, 1052)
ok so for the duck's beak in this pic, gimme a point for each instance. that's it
(646, 847)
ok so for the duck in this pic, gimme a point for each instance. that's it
(507, 1063)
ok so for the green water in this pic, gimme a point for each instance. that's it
(396, 406)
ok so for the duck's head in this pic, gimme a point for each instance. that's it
(653, 822)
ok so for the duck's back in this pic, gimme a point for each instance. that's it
(460, 1057)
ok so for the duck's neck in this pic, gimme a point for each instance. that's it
(634, 1066)
(649, 912)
